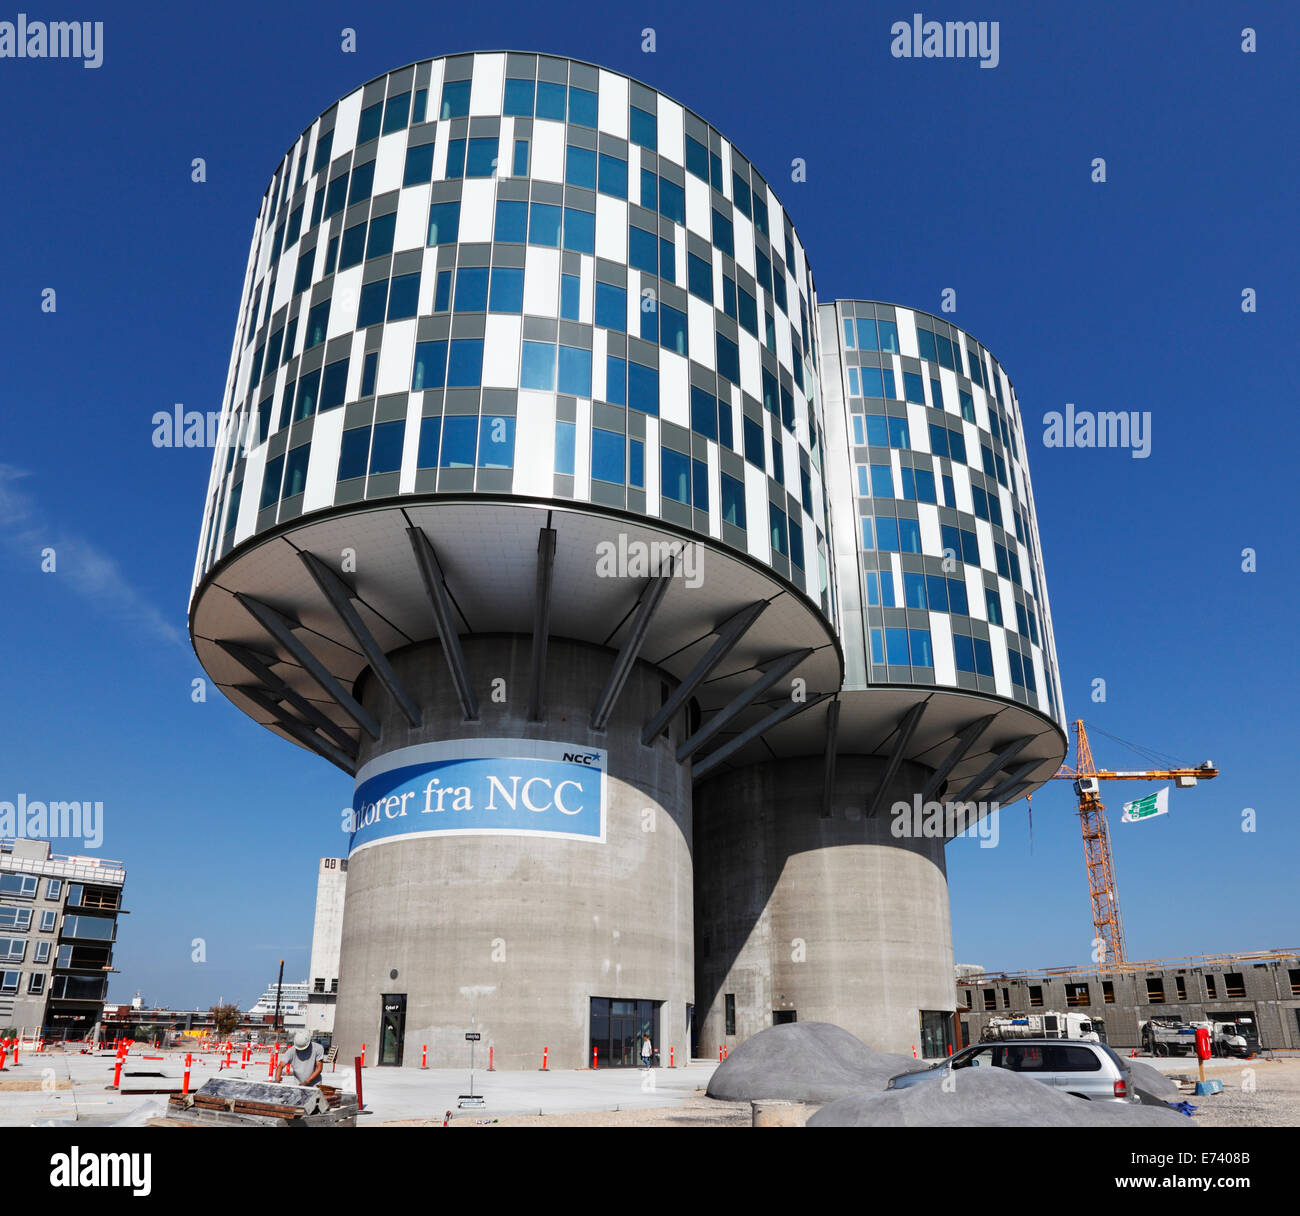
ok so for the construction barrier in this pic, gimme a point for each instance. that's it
(593, 1058)
(363, 1055)
(670, 1058)
(185, 1087)
(491, 1066)
(356, 1064)
(424, 1056)
(544, 1051)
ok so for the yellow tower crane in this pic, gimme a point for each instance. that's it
(1106, 922)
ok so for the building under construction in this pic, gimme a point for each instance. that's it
(1262, 986)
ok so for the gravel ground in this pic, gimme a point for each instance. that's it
(1256, 1093)
(697, 1111)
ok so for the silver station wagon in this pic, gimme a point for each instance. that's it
(1085, 1069)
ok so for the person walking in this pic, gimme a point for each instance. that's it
(646, 1051)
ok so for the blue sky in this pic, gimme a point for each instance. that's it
(922, 175)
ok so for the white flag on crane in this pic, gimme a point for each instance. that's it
(1148, 807)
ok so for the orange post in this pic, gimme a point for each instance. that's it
(424, 1056)
(593, 1057)
(185, 1087)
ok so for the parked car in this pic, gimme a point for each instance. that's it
(1082, 1068)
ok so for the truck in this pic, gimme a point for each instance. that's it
(1169, 1036)
(1044, 1026)
(1239, 1037)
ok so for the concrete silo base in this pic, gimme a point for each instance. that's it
(521, 932)
(817, 919)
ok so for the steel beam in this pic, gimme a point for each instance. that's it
(435, 583)
(742, 701)
(1010, 752)
(965, 741)
(340, 597)
(281, 630)
(1015, 780)
(299, 729)
(255, 665)
(541, 623)
(906, 729)
(787, 709)
(729, 633)
(652, 595)
(828, 770)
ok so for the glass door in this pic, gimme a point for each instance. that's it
(392, 1032)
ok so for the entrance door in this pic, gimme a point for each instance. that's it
(392, 1029)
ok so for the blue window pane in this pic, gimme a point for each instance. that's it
(877, 431)
(575, 371)
(459, 432)
(882, 481)
(909, 536)
(887, 534)
(779, 527)
(867, 533)
(643, 250)
(878, 646)
(922, 654)
(611, 307)
(964, 652)
(386, 449)
(382, 230)
(471, 289)
(519, 166)
(925, 344)
(748, 312)
(914, 590)
(374, 299)
(518, 99)
(430, 433)
(700, 484)
(481, 160)
(888, 374)
(957, 446)
(889, 337)
(324, 146)
(796, 546)
(723, 235)
(936, 394)
(551, 100)
(334, 384)
(397, 111)
(636, 463)
(580, 167)
(859, 430)
(697, 158)
(511, 221)
(936, 589)
(496, 442)
(582, 107)
(983, 657)
(368, 124)
(579, 230)
(913, 388)
(444, 223)
(728, 354)
(420, 106)
(676, 482)
(672, 201)
(649, 190)
(455, 159)
(643, 388)
(544, 225)
(740, 192)
(295, 471)
(537, 369)
(924, 485)
(957, 601)
(872, 385)
(866, 330)
(337, 196)
(887, 589)
(643, 129)
(967, 405)
(725, 434)
(465, 363)
(570, 296)
(898, 433)
(753, 434)
(699, 277)
(317, 324)
(565, 436)
(908, 476)
(615, 380)
(442, 296)
(613, 176)
(404, 299)
(455, 99)
(607, 456)
(419, 165)
(667, 260)
(672, 329)
(938, 439)
(704, 413)
(896, 651)
(732, 501)
(353, 453)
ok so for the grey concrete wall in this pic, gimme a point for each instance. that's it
(521, 932)
(834, 918)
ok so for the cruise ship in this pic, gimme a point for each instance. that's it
(293, 1005)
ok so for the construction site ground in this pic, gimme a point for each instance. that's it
(67, 1089)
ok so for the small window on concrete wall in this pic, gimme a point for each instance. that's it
(1181, 985)
(1077, 994)
(1156, 991)
(990, 998)
(1108, 992)
(1233, 984)
(730, 1007)
(1035, 996)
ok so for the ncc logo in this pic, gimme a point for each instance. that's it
(587, 758)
